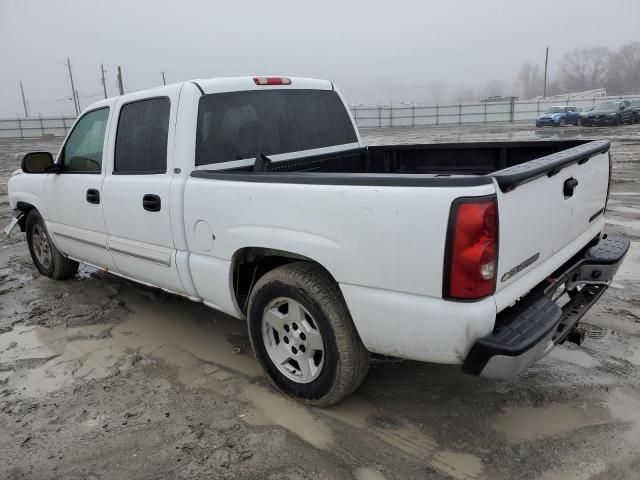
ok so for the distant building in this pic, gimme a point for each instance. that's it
(586, 94)
(498, 99)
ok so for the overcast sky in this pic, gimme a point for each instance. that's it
(397, 50)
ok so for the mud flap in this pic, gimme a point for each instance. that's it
(12, 224)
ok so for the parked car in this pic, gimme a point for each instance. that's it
(559, 117)
(610, 113)
(635, 105)
(257, 197)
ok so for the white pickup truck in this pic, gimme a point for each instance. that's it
(256, 196)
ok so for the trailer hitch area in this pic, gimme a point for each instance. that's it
(576, 335)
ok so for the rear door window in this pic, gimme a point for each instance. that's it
(141, 139)
(239, 125)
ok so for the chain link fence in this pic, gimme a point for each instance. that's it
(366, 116)
(414, 115)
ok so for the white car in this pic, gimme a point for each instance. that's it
(256, 196)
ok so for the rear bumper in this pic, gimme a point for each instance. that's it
(529, 330)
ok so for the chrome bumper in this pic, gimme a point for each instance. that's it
(530, 329)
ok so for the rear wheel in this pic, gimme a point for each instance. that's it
(302, 334)
(46, 257)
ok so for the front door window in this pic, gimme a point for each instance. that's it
(83, 151)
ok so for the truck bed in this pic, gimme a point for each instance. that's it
(460, 163)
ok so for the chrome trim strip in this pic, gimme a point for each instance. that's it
(115, 250)
(81, 240)
(141, 257)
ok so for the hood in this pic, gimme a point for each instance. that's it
(594, 113)
(550, 115)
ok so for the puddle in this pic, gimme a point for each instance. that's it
(408, 439)
(45, 359)
(272, 408)
(86, 271)
(528, 424)
(351, 411)
(461, 466)
(368, 473)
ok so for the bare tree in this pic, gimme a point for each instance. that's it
(585, 68)
(529, 81)
(623, 74)
(494, 88)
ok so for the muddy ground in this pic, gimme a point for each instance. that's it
(103, 378)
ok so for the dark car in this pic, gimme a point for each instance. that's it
(559, 117)
(610, 113)
(635, 106)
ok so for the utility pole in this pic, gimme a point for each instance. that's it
(164, 81)
(546, 61)
(104, 83)
(73, 89)
(24, 101)
(120, 86)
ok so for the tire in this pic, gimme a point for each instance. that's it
(303, 292)
(618, 121)
(46, 257)
(579, 124)
(563, 122)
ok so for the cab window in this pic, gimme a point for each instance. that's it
(141, 139)
(83, 151)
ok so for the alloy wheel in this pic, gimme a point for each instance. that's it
(292, 340)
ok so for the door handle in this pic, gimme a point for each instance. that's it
(93, 196)
(151, 202)
(569, 185)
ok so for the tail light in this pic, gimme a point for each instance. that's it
(471, 253)
(272, 81)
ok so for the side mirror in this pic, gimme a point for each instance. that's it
(37, 162)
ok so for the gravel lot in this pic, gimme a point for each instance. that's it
(103, 378)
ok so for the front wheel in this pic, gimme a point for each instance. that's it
(46, 257)
(302, 334)
(563, 122)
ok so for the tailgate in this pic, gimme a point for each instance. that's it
(548, 209)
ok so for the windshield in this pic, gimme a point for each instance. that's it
(555, 110)
(608, 106)
(635, 103)
(239, 125)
